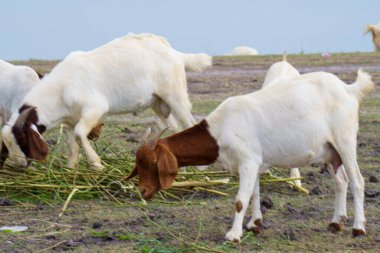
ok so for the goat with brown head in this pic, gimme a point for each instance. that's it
(23, 138)
(157, 161)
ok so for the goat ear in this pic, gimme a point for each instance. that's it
(133, 173)
(38, 147)
(167, 166)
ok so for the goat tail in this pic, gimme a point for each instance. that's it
(362, 86)
(197, 62)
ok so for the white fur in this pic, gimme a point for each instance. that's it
(276, 73)
(289, 125)
(375, 31)
(15, 82)
(244, 50)
(127, 74)
(279, 71)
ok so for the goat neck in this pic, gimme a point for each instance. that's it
(193, 146)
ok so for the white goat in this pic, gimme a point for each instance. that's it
(15, 82)
(244, 50)
(128, 74)
(375, 30)
(276, 73)
(309, 118)
(279, 71)
(311, 127)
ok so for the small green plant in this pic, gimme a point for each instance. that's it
(125, 237)
(99, 234)
(7, 231)
(156, 246)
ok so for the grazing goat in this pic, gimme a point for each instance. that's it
(244, 50)
(15, 82)
(308, 118)
(375, 30)
(127, 74)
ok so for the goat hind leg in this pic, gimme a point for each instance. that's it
(340, 209)
(347, 151)
(256, 220)
(164, 114)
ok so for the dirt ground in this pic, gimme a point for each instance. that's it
(196, 221)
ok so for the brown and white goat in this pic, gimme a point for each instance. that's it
(308, 118)
(130, 73)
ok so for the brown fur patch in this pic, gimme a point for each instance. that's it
(336, 161)
(239, 206)
(193, 146)
(95, 132)
(3, 154)
(258, 222)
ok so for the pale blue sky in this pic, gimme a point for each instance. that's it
(50, 29)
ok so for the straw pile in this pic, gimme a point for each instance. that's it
(51, 181)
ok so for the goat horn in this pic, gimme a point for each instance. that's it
(146, 135)
(23, 116)
(154, 140)
(284, 56)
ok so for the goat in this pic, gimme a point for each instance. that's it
(244, 50)
(308, 118)
(15, 82)
(375, 30)
(277, 72)
(127, 74)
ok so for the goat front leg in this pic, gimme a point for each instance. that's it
(248, 179)
(295, 173)
(82, 129)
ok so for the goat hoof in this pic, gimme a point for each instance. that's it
(233, 236)
(335, 227)
(358, 232)
(256, 228)
(98, 168)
